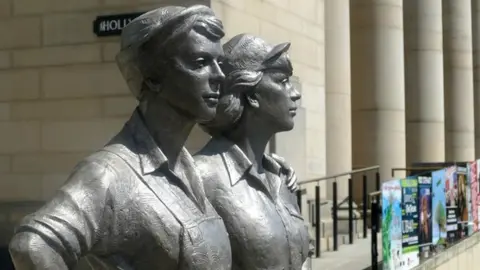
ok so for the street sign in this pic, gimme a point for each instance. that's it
(112, 25)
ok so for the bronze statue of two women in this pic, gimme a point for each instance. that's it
(142, 201)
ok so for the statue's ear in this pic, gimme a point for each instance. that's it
(252, 100)
(153, 85)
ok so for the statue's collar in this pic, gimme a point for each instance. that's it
(151, 156)
(237, 163)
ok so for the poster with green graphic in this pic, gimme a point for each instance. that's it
(391, 225)
(410, 230)
(439, 210)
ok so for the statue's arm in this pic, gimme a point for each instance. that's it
(29, 250)
(66, 228)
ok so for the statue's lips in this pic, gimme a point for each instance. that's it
(293, 111)
(211, 98)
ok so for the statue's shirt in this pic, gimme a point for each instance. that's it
(125, 209)
(263, 221)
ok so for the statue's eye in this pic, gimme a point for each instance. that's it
(200, 62)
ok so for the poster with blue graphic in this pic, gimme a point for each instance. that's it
(410, 240)
(439, 211)
(392, 225)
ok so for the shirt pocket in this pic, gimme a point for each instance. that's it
(298, 235)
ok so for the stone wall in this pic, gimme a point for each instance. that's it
(462, 256)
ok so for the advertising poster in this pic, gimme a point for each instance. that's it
(451, 192)
(425, 213)
(469, 200)
(473, 179)
(468, 195)
(391, 225)
(476, 194)
(462, 201)
(410, 242)
(439, 211)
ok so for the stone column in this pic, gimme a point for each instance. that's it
(424, 81)
(378, 85)
(476, 71)
(458, 69)
(337, 87)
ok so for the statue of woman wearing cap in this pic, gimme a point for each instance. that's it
(139, 202)
(244, 185)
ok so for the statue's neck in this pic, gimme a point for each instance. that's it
(252, 138)
(169, 128)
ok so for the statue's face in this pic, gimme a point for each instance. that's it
(277, 97)
(194, 81)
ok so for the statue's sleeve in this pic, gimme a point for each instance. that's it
(69, 225)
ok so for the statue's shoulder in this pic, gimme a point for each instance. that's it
(94, 175)
(211, 152)
(207, 163)
(96, 165)
(210, 166)
(107, 163)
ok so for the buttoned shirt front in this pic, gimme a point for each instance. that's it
(124, 209)
(263, 221)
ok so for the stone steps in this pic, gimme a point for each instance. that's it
(348, 257)
(326, 243)
(326, 229)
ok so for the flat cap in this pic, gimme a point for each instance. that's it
(249, 52)
(162, 21)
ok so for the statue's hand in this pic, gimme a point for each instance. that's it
(291, 177)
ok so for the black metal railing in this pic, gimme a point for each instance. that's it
(427, 167)
(316, 220)
(376, 224)
(415, 170)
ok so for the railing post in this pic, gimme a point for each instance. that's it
(335, 217)
(377, 180)
(317, 221)
(364, 207)
(374, 221)
(299, 199)
(350, 211)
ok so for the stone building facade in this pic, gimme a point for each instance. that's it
(384, 82)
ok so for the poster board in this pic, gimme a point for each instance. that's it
(462, 197)
(410, 230)
(473, 175)
(391, 224)
(425, 214)
(439, 211)
(451, 193)
(400, 241)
